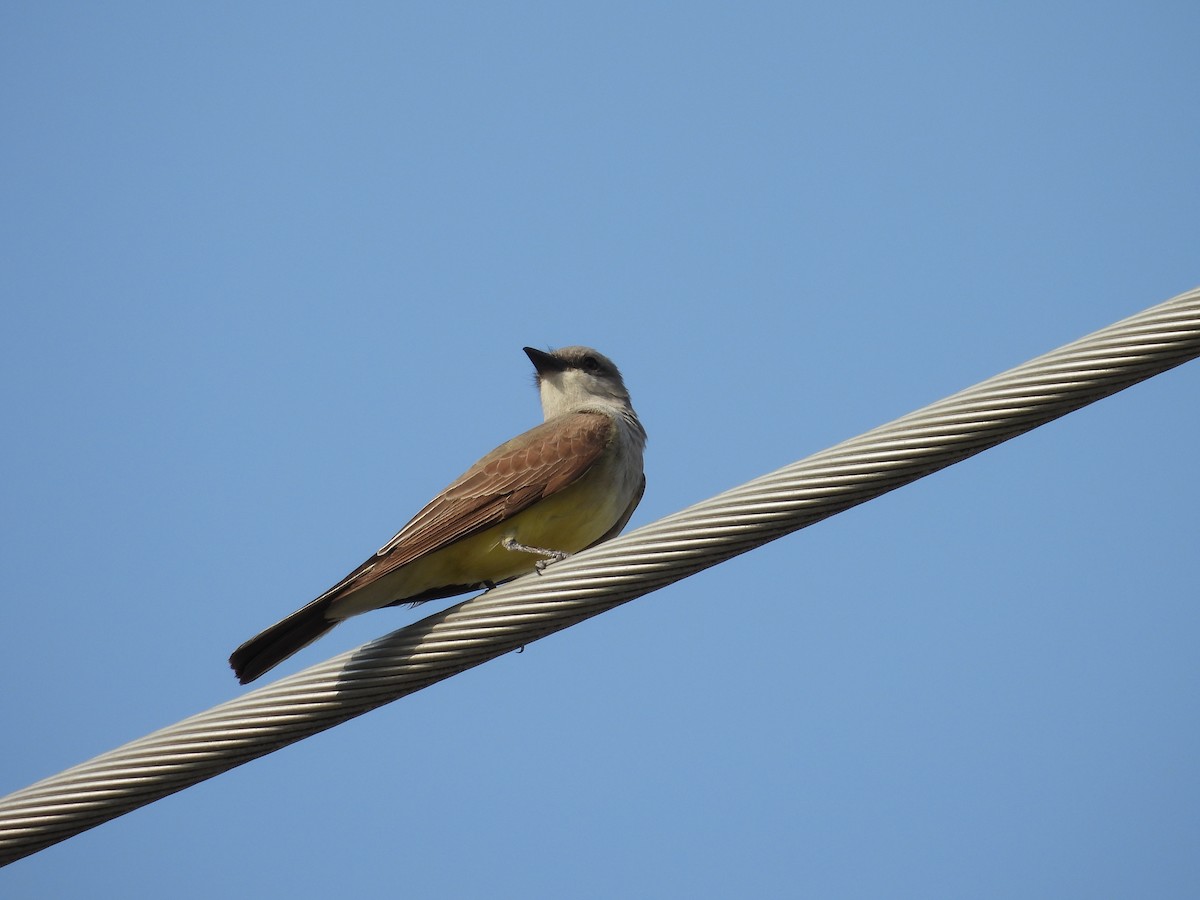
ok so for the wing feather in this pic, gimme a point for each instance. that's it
(542, 461)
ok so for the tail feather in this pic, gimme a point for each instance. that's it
(266, 650)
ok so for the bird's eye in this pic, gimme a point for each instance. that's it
(591, 364)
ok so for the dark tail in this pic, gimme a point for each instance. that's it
(266, 650)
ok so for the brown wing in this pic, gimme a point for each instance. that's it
(518, 473)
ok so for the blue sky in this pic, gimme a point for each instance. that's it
(267, 272)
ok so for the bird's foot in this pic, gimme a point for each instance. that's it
(548, 556)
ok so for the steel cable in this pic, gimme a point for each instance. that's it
(592, 582)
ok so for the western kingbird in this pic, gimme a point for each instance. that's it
(560, 487)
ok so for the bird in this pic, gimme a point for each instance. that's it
(565, 485)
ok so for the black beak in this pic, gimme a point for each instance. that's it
(545, 363)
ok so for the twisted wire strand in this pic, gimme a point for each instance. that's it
(513, 615)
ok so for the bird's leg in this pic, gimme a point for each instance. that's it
(549, 555)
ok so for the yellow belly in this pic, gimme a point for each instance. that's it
(567, 521)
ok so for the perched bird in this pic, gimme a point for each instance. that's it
(560, 487)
